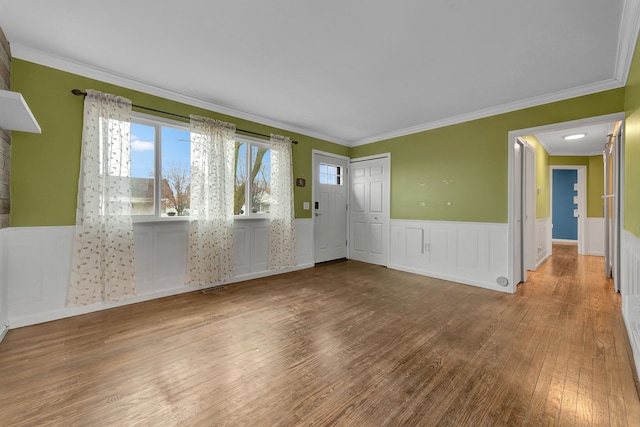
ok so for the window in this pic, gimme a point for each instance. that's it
(330, 174)
(160, 167)
(252, 178)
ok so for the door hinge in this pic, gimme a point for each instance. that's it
(346, 243)
(347, 206)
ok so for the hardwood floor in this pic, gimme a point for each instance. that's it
(341, 344)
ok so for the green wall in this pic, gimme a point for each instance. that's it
(474, 155)
(632, 148)
(542, 177)
(595, 179)
(466, 163)
(45, 167)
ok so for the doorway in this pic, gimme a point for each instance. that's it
(330, 206)
(567, 204)
(594, 227)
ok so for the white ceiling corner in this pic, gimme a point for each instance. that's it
(629, 28)
(338, 70)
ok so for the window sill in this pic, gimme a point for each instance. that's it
(179, 219)
(251, 217)
(183, 219)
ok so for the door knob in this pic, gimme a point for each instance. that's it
(318, 214)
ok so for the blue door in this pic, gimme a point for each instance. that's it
(565, 224)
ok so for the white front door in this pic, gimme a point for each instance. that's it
(330, 184)
(369, 213)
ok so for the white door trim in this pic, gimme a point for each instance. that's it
(511, 137)
(387, 202)
(582, 201)
(315, 152)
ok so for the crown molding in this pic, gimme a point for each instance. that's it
(629, 28)
(493, 111)
(48, 60)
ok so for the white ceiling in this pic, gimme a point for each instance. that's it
(348, 71)
(592, 144)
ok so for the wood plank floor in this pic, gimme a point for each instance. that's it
(342, 344)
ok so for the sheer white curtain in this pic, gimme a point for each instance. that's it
(210, 243)
(103, 266)
(282, 231)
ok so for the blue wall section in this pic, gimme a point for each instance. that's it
(565, 225)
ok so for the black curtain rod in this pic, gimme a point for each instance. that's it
(78, 92)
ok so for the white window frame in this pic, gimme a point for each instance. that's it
(158, 123)
(251, 141)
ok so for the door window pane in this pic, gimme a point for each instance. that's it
(330, 174)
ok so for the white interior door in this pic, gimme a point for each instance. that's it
(369, 213)
(612, 166)
(529, 243)
(519, 274)
(330, 186)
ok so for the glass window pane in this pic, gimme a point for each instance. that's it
(323, 178)
(260, 179)
(323, 168)
(176, 172)
(239, 207)
(142, 169)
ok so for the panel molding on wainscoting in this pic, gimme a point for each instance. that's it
(464, 252)
(543, 240)
(594, 244)
(630, 290)
(4, 287)
(39, 263)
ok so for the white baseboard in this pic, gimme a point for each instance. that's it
(565, 241)
(39, 261)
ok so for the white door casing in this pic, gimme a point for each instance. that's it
(370, 209)
(330, 204)
(512, 186)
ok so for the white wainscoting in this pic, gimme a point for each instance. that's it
(4, 287)
(630, 290)
(39, 263)
(543, 240)
(594, 239)
(469, 253)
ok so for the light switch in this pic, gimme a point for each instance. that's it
(305, 206)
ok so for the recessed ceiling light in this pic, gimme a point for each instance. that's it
(575, 136)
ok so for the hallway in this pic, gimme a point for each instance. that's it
(588, 348)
